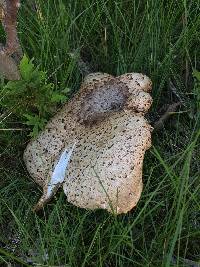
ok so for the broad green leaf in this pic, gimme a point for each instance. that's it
(196, 74)
(58, 97)
(26, 68)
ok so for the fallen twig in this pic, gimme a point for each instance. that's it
(186, 262)
(14, 129)
(170, 110)
(175, 92)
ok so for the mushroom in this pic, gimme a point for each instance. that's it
(94, 146)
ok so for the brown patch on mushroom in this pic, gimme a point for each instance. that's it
(105, 167)
(103, 100)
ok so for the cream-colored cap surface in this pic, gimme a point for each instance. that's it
(94, 146)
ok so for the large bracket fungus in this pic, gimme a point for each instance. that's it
(94, 146)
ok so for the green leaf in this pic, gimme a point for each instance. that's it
(66, 90)
(26, 68)
(56, 97)
(37, 123)
(196, 74)
(32, 97)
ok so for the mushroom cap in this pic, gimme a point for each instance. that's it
(104, 169)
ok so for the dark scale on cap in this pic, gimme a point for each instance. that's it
(104, 100)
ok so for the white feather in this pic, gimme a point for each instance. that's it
(60, 170)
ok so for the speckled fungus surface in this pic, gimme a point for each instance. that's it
(94, 146)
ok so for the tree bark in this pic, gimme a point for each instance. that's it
(9, 21)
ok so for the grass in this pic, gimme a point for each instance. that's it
(159, 38)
